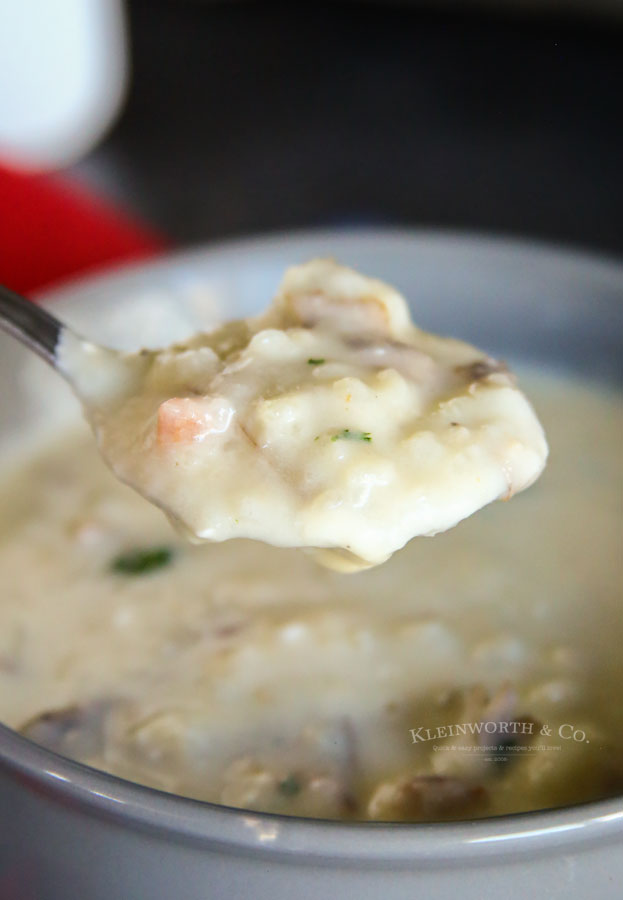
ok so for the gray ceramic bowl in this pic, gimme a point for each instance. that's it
(68, 831)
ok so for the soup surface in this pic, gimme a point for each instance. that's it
(474, 674)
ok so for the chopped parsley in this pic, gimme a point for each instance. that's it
(348, 435)
(315, 362)
(290, 786)
(141, 560)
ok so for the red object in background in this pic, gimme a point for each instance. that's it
(51, 229)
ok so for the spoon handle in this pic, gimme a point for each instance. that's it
(30, 324)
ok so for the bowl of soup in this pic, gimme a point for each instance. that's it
(233, 719)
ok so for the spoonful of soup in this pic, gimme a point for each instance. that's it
(330, 422)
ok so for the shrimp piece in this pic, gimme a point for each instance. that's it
(182, 420)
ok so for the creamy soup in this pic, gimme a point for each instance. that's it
(331, 422)
(474, 674)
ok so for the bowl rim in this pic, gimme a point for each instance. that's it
(598, 263)
(135, 805)
(103, 795)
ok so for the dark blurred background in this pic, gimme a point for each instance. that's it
(245, 117)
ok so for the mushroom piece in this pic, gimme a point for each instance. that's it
(426, 797)
(76, 731)
(483, 369)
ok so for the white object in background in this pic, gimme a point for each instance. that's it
(63, 72)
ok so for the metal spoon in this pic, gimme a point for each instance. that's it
(96, 373)
(31, 324)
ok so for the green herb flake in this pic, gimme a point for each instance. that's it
(348, 435)
(141, 560)
(290, 786)
(315, 362)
